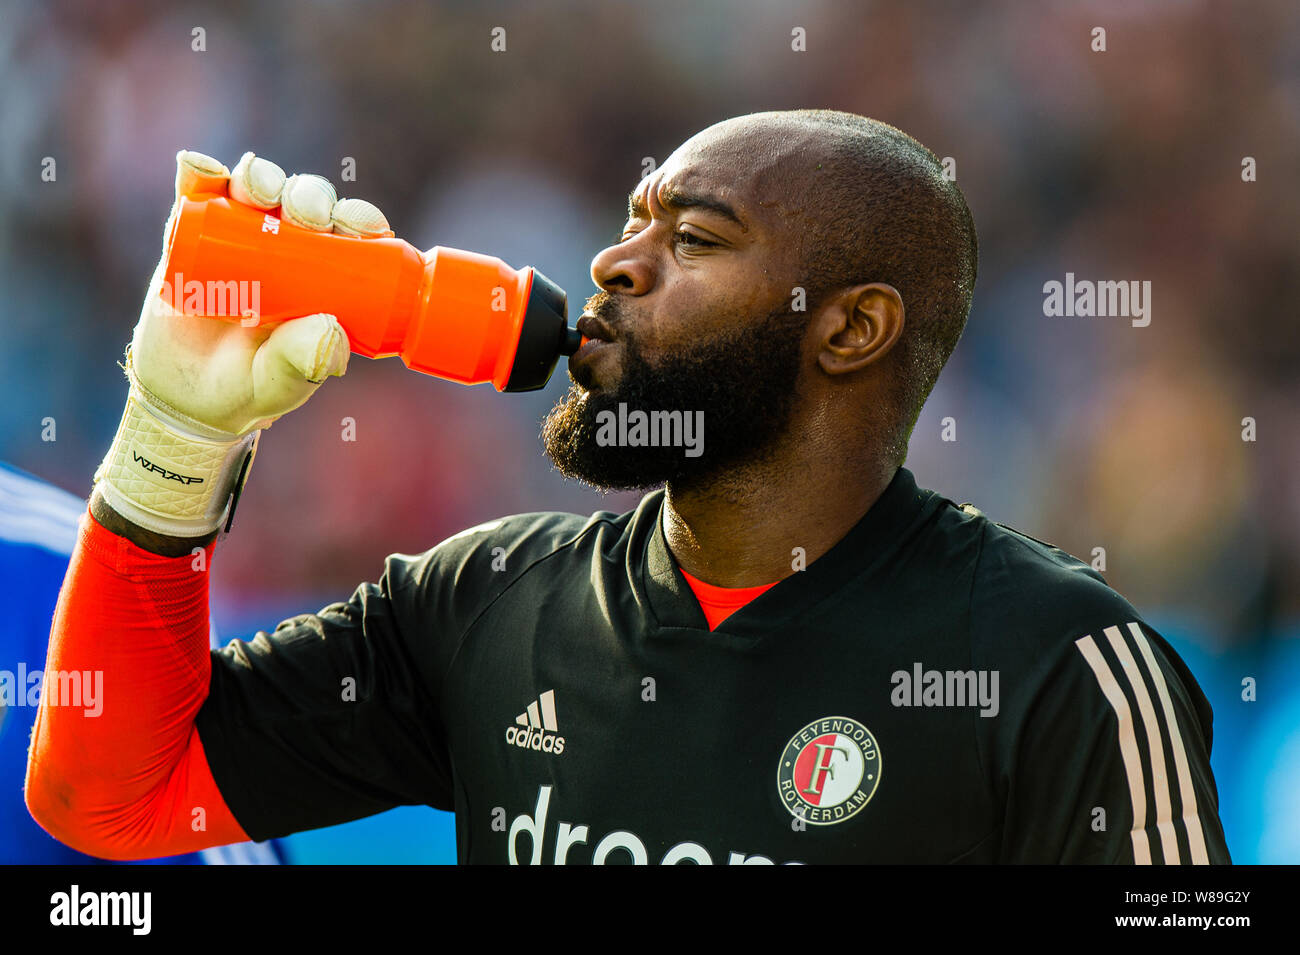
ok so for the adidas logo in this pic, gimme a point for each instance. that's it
(536, 728)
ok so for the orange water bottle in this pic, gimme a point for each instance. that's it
(456, 315)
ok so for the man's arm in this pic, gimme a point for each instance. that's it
(115, 767)
(329, 718)
(1111, 764)
(335, 715)
(162, 544)
(125, 774)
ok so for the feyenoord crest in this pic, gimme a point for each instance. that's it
(828, 771)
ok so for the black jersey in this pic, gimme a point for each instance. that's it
(935, 688)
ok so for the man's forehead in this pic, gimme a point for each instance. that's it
(694, 179)
(751, 170)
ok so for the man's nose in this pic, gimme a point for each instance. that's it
(626, 267)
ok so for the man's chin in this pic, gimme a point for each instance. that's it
(580, 393)
(569, 438)
(742, 385)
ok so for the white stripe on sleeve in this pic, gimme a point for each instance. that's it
(1127, 745)
(1186, 791)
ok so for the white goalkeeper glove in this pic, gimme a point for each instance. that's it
(203, 388)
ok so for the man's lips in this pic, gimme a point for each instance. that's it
(589, 347)
(592, 327)
(596, 337)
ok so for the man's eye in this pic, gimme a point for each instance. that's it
(691, 240)
(688, 239)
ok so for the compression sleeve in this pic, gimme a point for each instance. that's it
(116, 768)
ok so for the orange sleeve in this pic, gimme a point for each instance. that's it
(116, 768)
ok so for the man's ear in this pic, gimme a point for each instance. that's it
(859, 326)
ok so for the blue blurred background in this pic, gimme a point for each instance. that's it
(1087, 432)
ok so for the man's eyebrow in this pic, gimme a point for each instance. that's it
(675, 198)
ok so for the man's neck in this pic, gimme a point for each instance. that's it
(742, 529)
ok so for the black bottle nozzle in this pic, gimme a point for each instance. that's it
(572, 341)
(545, 336)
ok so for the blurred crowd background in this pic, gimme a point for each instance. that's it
(1087, 432)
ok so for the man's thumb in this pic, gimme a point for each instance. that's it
(295, 358)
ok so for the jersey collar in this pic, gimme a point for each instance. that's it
(863, 551)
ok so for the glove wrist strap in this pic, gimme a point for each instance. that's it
(168, 479)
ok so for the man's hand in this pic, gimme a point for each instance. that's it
(203, 388)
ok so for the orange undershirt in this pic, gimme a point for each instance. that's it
(719, 603)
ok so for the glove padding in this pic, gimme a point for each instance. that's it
(202, 389)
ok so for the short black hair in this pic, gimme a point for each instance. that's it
(880, 209)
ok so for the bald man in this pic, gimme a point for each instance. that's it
(788, 653)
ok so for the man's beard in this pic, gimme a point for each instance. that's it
(744, 383)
